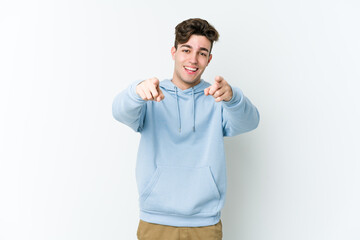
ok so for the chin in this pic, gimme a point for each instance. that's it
(190, 81)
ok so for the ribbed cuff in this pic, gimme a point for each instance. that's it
(133, 94)
(236, 98)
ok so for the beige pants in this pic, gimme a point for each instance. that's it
(151, 231)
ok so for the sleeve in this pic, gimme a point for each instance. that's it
(239, 115)
(129, 108)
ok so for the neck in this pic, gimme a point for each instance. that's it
(184, 85)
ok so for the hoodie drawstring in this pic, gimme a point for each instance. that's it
(178, 108)
(193, 95)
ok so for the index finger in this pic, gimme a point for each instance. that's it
(219, 79)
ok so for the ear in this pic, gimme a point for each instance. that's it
(173, 50)
(210, 57)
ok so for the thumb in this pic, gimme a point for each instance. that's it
(206, 90)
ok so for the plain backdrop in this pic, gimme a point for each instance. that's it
(67, 168)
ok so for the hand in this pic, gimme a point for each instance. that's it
(149, 90)
(220, 90)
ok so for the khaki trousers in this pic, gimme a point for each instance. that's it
(151, 231)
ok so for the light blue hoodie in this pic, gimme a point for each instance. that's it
(180, 169)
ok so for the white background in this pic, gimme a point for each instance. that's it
(67, 168)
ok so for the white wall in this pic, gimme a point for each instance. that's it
(67, 168)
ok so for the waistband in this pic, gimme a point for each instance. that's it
(179, 221)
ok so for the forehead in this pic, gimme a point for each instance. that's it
(197, 42)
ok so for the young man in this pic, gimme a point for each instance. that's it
(180, 170)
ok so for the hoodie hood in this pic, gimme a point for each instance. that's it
(169, 86)
(187, 94)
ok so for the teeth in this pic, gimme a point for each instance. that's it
(191, 69)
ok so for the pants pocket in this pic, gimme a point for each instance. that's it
(181, 191)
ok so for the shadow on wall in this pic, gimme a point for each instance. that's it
(242, 186)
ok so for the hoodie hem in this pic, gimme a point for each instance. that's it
(179, 221)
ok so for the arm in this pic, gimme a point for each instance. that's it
(129, 106)
(239, 115)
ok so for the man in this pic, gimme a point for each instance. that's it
(180, 170)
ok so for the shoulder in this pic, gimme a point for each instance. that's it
(206, 84)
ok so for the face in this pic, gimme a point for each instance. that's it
(191, 59)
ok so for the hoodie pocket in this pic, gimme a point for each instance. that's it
(181, 191)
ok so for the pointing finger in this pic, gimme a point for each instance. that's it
(155, 81)
(219, 79)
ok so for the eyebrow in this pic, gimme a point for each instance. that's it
(188, 46)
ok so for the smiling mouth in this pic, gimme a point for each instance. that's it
(191, 70)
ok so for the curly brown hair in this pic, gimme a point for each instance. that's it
(197, 26)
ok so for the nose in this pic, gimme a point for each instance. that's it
(193, 58)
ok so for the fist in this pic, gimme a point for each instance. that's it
(149, 90)
(220, 90)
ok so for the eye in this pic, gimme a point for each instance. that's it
(203, 54)
(186, 50)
